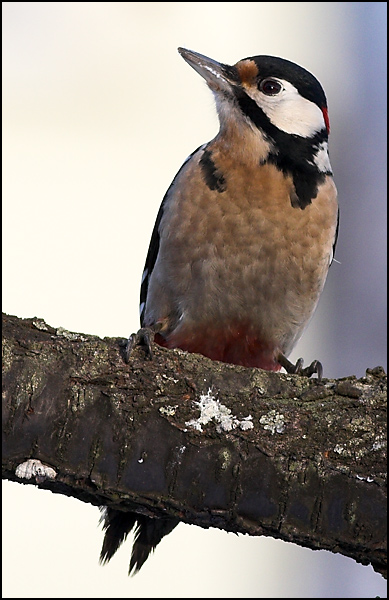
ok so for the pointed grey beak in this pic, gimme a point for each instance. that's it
(217, 75)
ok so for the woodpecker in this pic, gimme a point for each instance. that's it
(244, 236)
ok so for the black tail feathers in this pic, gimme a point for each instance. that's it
(148, 533)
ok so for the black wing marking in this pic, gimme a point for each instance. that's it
(154, 246)
(150, 262)
(214, 179)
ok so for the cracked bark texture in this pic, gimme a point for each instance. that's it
(215, 445)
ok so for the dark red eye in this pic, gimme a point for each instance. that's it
(270, 87)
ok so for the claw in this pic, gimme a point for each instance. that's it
(297, 369)
(143, 337)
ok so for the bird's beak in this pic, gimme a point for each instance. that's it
(217, 75)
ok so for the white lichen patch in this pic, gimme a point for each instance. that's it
(354, 448)
(246, 423)
(74, 337)
(169, 411)
(34, 468)
(379, 443)
(225, 458)
(212, 410)
(40, 324)
(368, 479)
(339, 449)
(169, 378)
(178, 455)
(273, 421)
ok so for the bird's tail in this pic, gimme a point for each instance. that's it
(148, 533)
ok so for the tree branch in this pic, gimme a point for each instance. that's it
(213, 444)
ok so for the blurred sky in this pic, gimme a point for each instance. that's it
(99, 112)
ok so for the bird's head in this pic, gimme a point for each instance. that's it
(268, 90)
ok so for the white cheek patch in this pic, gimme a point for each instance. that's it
(289, 111)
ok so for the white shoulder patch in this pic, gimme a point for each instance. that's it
(322, 159)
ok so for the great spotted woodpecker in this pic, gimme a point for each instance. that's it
(244, 236)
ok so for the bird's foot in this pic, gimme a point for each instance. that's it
(297, 369)
(143, 337)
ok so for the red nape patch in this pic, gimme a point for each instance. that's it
(237, 346)
(324, 110)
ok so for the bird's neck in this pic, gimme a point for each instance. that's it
(241, 140)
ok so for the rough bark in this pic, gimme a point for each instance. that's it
(216, 445)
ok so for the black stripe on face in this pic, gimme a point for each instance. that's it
(213, 178)
(293, 154)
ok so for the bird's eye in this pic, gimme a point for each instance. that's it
(270, 87)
